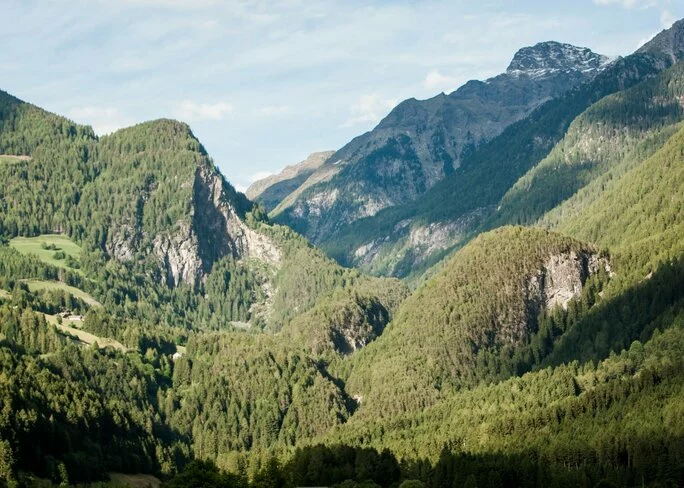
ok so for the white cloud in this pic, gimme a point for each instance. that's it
(192, 111)
(104, 120)
(436, 80)
(369, 109)
(667, 19)
(259, 175)
(629, 4)
(174, 3)
(273, 110)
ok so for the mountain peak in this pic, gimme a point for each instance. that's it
(550, 57)
(669, 42)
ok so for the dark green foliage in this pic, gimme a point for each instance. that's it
(574, 424)
(242, 392)
(203, 474)
(88, 411)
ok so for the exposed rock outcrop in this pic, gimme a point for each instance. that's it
(562, 277)
(215, 231)
(409, 246)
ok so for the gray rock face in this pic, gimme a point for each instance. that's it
(548, 57)
(669, 42)
(407, 248)
(422, 141)
(562, 277)
(215, 231)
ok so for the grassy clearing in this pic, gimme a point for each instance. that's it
(37, 285)
(10, 159)
(5, 294)
(135, 480)
(67, 326)
(58, 244)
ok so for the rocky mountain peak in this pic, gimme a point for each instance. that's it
(551, 57)
(669, 42)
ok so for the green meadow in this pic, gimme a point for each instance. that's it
(52, 249)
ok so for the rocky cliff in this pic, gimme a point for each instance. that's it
(216, 231)
(669, 41)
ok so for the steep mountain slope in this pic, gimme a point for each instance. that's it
(639, 217)
(471, 321)
(609, 138)
(669, 42)
(407, 239)
(420, 142)
(273, 189)
(150, 199)
(170, 250)
(633, 328)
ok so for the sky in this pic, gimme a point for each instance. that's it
(264, 83)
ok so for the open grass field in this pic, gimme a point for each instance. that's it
(67, 326)
(37, 285)
(135, 480)
(10, 159)
(34, 245)
(5, 294)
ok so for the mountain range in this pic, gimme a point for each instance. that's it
(405, 239)
(421, 142)
(155, 322)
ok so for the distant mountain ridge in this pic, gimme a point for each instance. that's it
(408, 238)
(422, 141)
(669, 42)
(273, 189)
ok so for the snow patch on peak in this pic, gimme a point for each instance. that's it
(552, 57)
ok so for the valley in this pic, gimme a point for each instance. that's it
(497, 299)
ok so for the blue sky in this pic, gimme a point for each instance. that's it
(264, 83)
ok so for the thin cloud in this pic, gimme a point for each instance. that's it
(369, 109)
(182, 4)
(667, 19)
(196, 112)
(436, 80)
(104, 120)
(273, 110)
(629, 4)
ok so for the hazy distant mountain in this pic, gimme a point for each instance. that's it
(270, 191)
(406, 239)
(669, 41)
(422, 141)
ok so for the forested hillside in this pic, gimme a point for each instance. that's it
(143, 225)
(153, 320)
